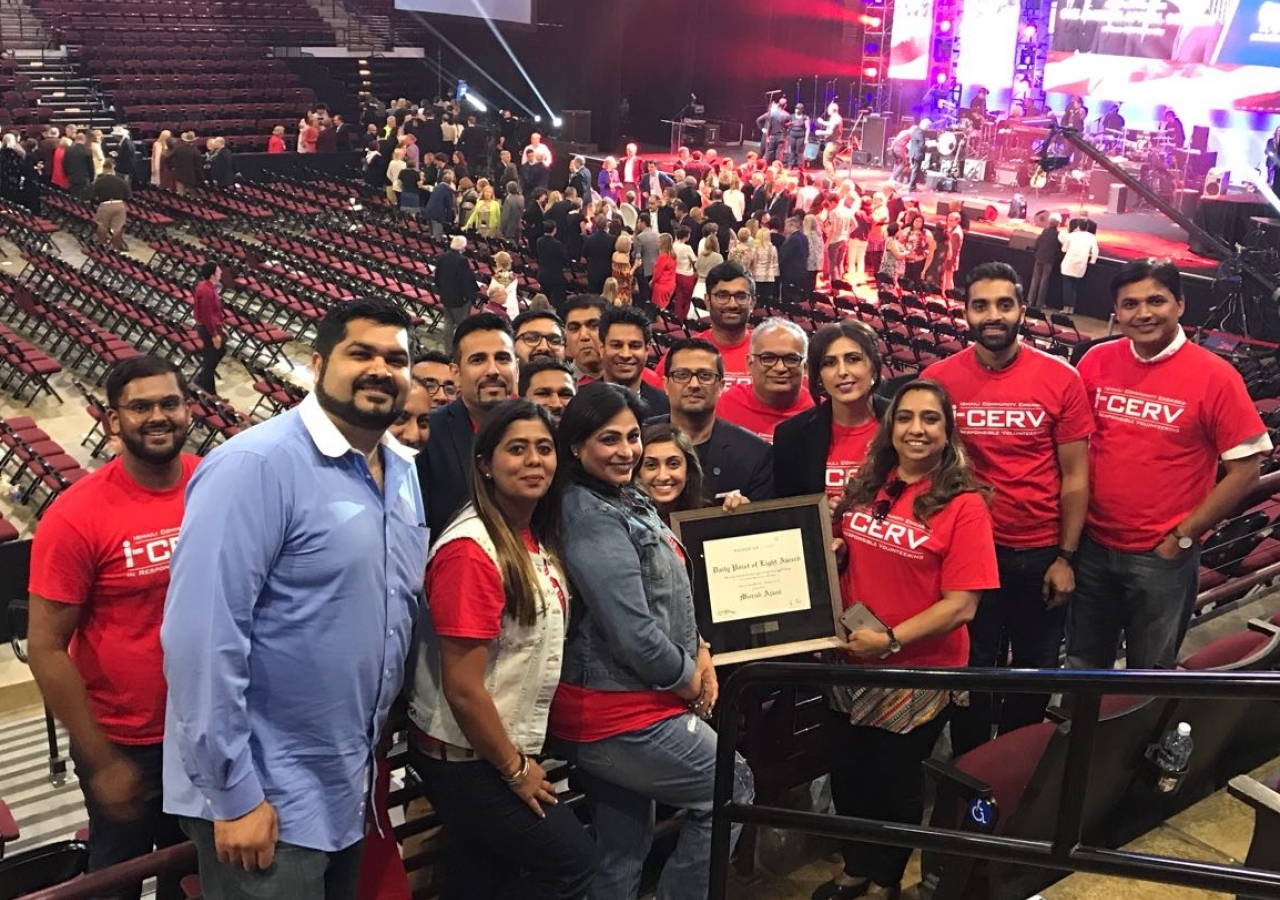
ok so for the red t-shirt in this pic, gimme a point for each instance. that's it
(848, 452)
(735, 358)
(740, 405)
(1161, 428)
(105, 545)
(653, 377)
(464, 590)
(1012, 422)
(900, 567)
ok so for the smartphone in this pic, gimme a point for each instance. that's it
(858, 617)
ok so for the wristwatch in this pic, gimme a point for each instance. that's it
(1184, 542)
(894, 646)
(1069, 556)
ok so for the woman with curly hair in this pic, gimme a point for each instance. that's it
(916, 538)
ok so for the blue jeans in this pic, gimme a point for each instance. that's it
(295, 873)
(673, 763)
(1148, 598)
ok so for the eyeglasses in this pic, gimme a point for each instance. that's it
(892, 491)
(434, 387)
(789, 360)
(534, 338)
(684, 376)
(144, 407)
(726, 296)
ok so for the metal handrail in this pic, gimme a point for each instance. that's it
(1065, 852)
(179, 859)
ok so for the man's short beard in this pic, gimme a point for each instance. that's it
(347, 411)
(137, 446)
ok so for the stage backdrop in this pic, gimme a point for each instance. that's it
(501, 10)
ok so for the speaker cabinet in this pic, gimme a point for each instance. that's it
(947, 206)
(1099, 184)
(1200, 138)
(875, 134)
(1118, 199)
(1187, 201)
(1217, 182)
(1023, 239)
(977, 211)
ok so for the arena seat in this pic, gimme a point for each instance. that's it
(1263, 797)
(8, 827)
(42, 867)
(1022, 771)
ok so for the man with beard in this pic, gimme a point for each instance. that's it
(733, 459)
(99, 572)
(434, 371)
(484, 364)
(625, 334)
(539, 333)
(548, 382)
(730, 300)
(413, 426)
(288, 621)
(1025, 422)
(582, 336)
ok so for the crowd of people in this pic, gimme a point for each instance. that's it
(480, 541)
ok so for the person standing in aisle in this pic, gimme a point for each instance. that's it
(210, 319)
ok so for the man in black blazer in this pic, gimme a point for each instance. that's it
(597, 249)
(654, 182)
(534, 174)
(625, 335)
(553, 259)
(457, 286)
(733, 459)
(688, 193)
(484, 367)
(721, 214)
(580, 178)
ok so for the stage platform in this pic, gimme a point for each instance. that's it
(1121, 237)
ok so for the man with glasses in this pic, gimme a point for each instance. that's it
(432, 370)
(733, 459)
(548, 382)
(776, 366)
(731, 297)
(539, 334)
(99, 572)
(625, 333)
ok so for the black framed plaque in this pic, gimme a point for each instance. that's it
(765, 581)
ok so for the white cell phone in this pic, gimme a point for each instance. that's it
(859, 618)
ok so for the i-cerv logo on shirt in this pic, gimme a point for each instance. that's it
(149, 550)
(888, 532)
(1000, 418)
(1139, 409)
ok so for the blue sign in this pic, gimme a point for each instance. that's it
(463, 87)
(982, 813)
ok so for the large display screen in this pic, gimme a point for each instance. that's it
(988, 43)
(911, 39)
(501, 10)
(1149, 51)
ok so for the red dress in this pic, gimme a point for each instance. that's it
(275, 144)
(58, 176)
(663, 285)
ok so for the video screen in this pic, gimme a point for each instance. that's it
(1147, 50)
(499, 10)
(910, 42)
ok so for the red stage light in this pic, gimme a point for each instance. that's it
(870, 71)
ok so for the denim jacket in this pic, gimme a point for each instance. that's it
(634, 627)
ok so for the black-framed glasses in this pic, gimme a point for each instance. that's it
(726, 296)
(434, 387)
(534, 338)
(143, 407)
(892, 491)
(788, 360)
(684, 376)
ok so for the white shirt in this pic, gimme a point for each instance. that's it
(685, 258)
(736, 201)
(542, 153)
(1080, 249)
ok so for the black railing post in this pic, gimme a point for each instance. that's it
(727, 719)
(1080, 742)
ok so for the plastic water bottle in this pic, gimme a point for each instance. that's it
(15, 492)
(1172, 757)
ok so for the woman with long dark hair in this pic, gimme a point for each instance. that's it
(917, 534)
(825, 446)
(488, 662)
(671, 473)
(638, 680)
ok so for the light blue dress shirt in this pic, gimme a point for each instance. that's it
(287, 625)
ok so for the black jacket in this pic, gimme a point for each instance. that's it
(804, 441)
(455, 281)
(553, 259)
(733, 459)
(1048, 247)
(442, 466)
(720, 213)
(77, 163)
(598, 250)
(655, 400)
(534, 175)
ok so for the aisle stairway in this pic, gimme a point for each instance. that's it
(20, 28)
(44, 811)
(67, 93)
